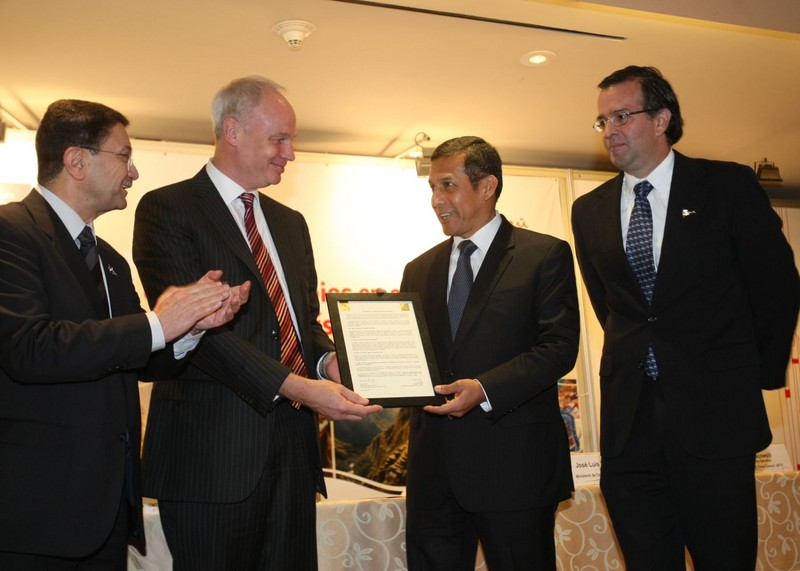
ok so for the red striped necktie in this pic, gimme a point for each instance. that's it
(291, 356)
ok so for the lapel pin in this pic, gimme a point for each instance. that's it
(113, 273)
(686, 213)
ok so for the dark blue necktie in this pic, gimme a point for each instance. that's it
(462, 283)
(639, 249)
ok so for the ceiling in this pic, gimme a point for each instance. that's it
(369, 78)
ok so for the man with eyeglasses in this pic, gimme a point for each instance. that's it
(73, 342)
(696, 289)
(126, 155)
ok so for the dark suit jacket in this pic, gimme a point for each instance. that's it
(518, 335)
(209, 429)
(723, 313)
(68, 389)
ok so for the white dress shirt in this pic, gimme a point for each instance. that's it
(482, 239)
(230, 191)
(661, 179)
(75, 226)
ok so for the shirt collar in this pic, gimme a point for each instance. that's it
(66, 214)
(660, 177)
(484, 236)
(228, 189)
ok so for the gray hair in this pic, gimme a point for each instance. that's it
(239, 98)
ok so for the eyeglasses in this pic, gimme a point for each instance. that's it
(128, 157)
(617, 118)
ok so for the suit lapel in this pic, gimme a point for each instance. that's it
(285, 237)
(608, 210)
(50, 224)
(609, 217)
(122, 297)
(500, 254)
(282, 230)
(609, 214)
(220, 220)
(435, 307)
(686, 201)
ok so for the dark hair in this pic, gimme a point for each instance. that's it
(480, 159)
(657, 92)
(71, 123)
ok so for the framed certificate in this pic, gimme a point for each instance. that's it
(384, 349)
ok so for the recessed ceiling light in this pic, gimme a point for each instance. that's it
(537, 58)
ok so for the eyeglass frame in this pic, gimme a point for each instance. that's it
(600, 125)
(127, 156)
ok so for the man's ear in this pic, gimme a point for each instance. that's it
(488, 186)
(74, 162)
(231, 131)
(663, 118)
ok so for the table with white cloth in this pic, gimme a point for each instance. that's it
(369, 534)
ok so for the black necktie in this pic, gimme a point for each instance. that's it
(639, 249)
(88, 248)
(462, 283)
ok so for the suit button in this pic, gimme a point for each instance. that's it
(652, 319)
(448, 373)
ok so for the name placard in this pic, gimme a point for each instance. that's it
(585, 468)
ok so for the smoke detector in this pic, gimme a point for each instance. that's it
(293, 32)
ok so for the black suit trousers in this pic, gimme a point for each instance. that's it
(663, 500)
(273, 529)
(445, 538)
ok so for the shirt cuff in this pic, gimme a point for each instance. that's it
(186, 344)
(322, 364)
(181, 347)
(485, 405)
(157, 332)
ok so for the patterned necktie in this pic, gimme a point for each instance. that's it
(462, 283)
(639, 249)
(88, 248)
(291, 356)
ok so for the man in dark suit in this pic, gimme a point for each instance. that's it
(692, 335)
(69, 403)
(234, 465)
(492, 463)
